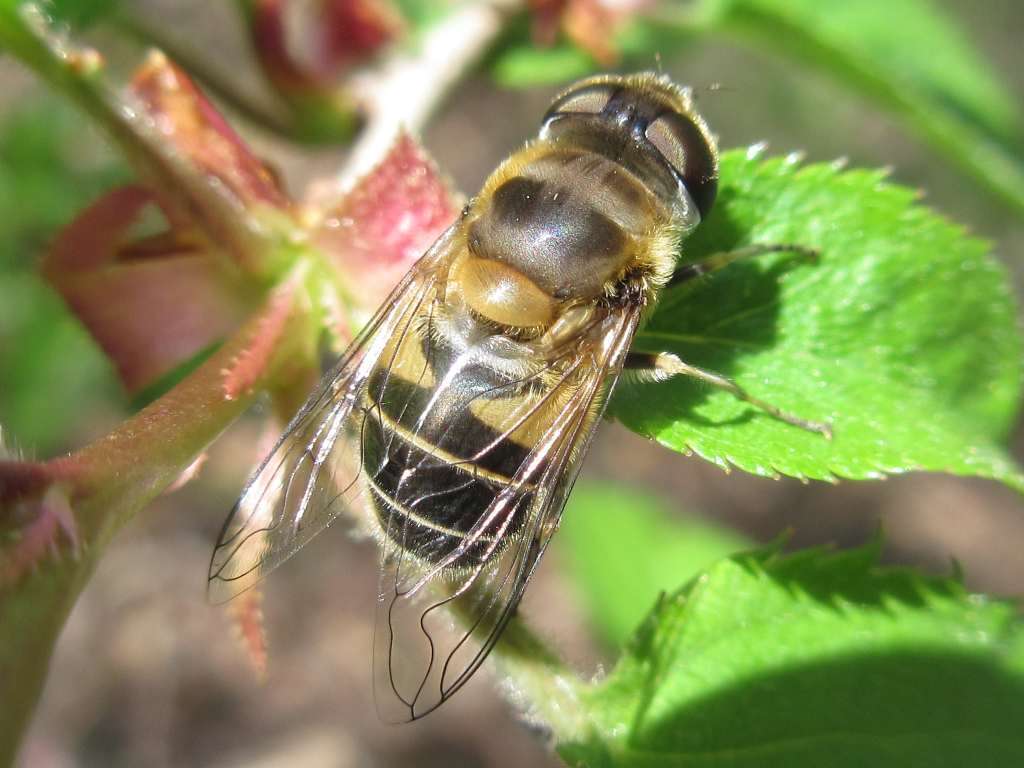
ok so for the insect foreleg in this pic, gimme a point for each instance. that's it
(724, 258)
(664, 365)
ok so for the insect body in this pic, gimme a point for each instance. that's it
(454, 427)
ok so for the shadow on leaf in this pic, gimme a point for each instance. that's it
(911, 706)
(710, 322)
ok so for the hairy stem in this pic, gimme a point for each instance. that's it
(104, 485)
(536, 680)
(540, 683)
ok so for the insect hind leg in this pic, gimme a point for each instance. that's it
(717, 261)
(666, 365)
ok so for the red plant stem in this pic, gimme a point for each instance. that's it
(107, 482)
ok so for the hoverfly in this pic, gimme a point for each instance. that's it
(454, 427)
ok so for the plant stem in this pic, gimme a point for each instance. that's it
(105, 485)
(403, 93)
(77, 73)
(536, 680)
(540, 684)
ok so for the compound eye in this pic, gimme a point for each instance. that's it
(686, 148)
(666, 136)
(588, 100)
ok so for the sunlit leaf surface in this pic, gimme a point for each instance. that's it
(903, 335)
(814, 659)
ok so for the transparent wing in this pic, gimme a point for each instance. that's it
(445, 600)
(314, 472)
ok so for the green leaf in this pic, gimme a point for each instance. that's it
(83, 13)
(809, 660)
(528, 67)
(51, 167)
(904, 334)
(52, 376)
(420, 14)
(904, 55)
(54, 380)
(626, 547)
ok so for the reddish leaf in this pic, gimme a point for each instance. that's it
(386, 222)
(270, 42)
(198, 132)
(203, 173)
(546, 20)
(151, 305)
(335, 35)
(354, 30)
(246, 612)
(590, 24)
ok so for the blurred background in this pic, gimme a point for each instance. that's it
(146, 673)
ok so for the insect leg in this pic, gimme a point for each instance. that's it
(664, 365)
(724, 258)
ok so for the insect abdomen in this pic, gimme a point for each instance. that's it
(434, 467)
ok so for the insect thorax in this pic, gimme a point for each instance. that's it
(572, 221)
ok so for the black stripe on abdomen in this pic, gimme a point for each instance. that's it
(435, 474)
